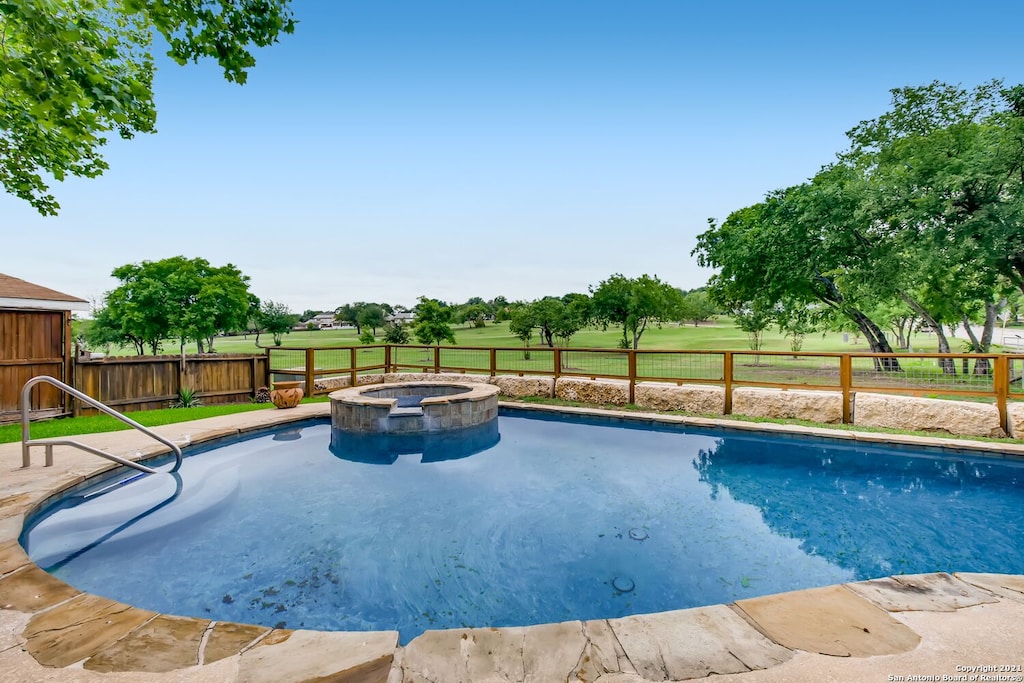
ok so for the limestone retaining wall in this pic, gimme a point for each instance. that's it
(1015, 413)
(434, 377)
(926, 414)
(818, 406)
(517, 387)
(342, 382)
(691, 398)
(601, 391)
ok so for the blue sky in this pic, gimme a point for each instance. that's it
(393, 149)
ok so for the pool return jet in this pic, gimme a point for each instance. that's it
(27, 441)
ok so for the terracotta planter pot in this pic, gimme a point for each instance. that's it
(286, 394)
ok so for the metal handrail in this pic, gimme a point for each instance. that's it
(26, 440)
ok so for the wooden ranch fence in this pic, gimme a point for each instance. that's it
(149, 382)
(987, 377)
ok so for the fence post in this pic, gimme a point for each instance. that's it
(846, 383)
(632, 375)
(266, 369)
(387, 358)
(437, 359)
(727, 377)
(557, 357)
(353, 376)
(1001, 385)
(494, 361)
(310, 371)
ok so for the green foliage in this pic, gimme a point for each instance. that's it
(74, 72)
(922, 214)
(94, 424)
(754, 321)
(795, 321)
(187, 398)
(697, 307)
(175, 297)
(372, 316)
(367, 337)
(634, 304)
(433, 322)
(395, 333)
(521, 323)
(277, 319)
(363, 314)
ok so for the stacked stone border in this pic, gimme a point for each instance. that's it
(892, 411)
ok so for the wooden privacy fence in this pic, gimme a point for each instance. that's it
(149, 382)
(989, 377)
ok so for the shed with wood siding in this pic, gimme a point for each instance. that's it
(35, 339)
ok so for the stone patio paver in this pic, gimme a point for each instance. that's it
(831, 621)
(164, 644)
(938, 592)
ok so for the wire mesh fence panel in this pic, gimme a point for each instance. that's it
(1016, 375)
(790, 369)
(923, 374)
(288, 359)
(370, 356)
(595, 363)
(681, 366)
(332, 359)
(419, 356)
(478, 360)
(525, 360)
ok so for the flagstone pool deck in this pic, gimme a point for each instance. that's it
(937, 627)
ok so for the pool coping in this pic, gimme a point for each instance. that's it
(887, 626)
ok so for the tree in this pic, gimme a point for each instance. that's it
(948, 167)
(74, 72)
(521, 324)
(433, 322)
(372, 316)
(696, 307)
(633, 304)
(277, 319)
(473, 313)
(753, 320)
(795, 321)
(175, 297)
(395, 333)
(364, 314)
(800, 245)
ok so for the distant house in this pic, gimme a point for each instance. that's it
(35, 339)
(323, 321)
(403, 318)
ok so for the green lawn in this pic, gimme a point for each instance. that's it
(720, 335)
(93, 424)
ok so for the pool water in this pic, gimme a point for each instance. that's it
(562, 518)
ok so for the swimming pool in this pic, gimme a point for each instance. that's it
(561, 518)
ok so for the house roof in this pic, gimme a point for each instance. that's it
(18, 293)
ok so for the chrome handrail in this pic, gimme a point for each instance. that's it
(27, 441)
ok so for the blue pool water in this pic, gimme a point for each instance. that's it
(561, 518)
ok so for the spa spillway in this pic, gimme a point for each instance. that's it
(413, 407)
